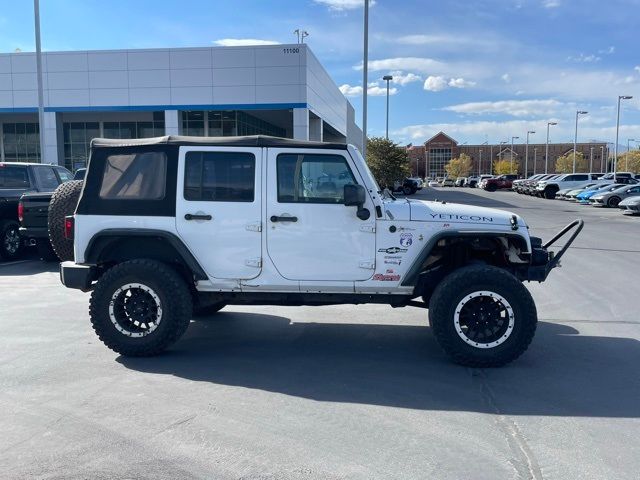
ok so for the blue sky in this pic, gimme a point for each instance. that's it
(481, 70)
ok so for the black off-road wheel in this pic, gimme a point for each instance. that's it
(482, 316)
(63, 202)
(140, 307)
(550, 193)
(407, 190)
(490, 188)
(11, 245)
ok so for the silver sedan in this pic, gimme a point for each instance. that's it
(613, 198)
(630, 206)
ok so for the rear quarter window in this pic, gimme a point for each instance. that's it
(135, 176)
(14, 176)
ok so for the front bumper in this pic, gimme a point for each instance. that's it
(77, 276)
(542, 260)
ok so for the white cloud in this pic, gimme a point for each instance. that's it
(637, 68)
(550, 3)
(351, 90)
(373, 89)
(515, 108)
(418, 64)
(377, 91)
(400, 78)
(427, 39)
(584, 58)
(506, 78)
(461, 83)
(340, 5)
(243, 42)
(435, 83)
(607, 51)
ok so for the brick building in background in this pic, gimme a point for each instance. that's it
(428, 160)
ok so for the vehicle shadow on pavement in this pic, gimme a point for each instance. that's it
(27, 267)
(457, 195)
(563, 373)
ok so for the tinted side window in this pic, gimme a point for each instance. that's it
(137, 176)
(312, 178)
(14, 177)
(581, 177)
(220, 176)
(64, 174)
(46, 178)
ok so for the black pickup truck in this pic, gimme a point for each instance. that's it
(17, 179)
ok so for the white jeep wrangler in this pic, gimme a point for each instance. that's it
(174, 226)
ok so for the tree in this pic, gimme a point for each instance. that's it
(459, 167)
(629, 162)
(504, 167)
(388, 162)
(564, 164)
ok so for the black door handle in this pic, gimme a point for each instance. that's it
(275, 218)
(191, 216)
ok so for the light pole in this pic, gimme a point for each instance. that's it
(500, 156)
(535, 159)
(526, 155)
(511, 166)
(575, 138)
(591, 160)
(480, 163)
(546, 151)
(36, 11)
(615, 146)
(365, 74)
(626, 158)
(387, 78)
(602, 159)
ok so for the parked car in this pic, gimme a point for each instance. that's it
(529, 187)
(418, 181)
(584, 197)
(613, 198)
(15, 180)
(190, 240)
(448, 182)
(434, 183)
(549, 188)
(571, 192)
(460, 181)
(517, 185)
(630, 206)
(498, 183)
(407, 186)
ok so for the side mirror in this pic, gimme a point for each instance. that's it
(356, 196)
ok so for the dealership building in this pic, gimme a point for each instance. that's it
(430, 158)
(278, 90)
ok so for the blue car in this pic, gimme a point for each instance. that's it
(584, 197)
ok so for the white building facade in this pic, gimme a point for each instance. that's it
(278, 90)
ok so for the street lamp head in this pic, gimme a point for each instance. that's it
(531, 131)
(581, 112)
(625, 97)
(515, 138)
(552, 123)
(387, 77)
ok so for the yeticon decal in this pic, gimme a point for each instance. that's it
(406, 239)
(393, 262)
(381, 277)
(392, 250)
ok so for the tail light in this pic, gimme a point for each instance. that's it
(20, 211)
(68, 227)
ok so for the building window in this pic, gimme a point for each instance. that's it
(227, 123)
(77, 140)
(149, 129)
(438, 158)
(193, 123)
(21, 142)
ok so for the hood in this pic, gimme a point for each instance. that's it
(458, 214)
(630, 201)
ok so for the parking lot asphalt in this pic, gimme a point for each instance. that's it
(335, 392)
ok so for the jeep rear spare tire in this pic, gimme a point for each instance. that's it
(63, 202)
(140, 307)
(482, 316)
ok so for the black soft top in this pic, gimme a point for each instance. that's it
(248, 141)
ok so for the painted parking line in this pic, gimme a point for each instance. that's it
(15, 262)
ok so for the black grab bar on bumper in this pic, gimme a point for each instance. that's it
(541, 272)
